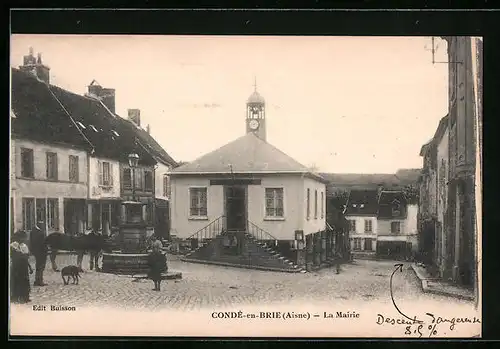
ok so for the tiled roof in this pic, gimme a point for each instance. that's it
(109, 134)
(49, 113)
(390, 200)
(39, 116)
(247, 154)
(362, 202)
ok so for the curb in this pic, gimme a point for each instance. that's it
(425, 287)
(242, 266)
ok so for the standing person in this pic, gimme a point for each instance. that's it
(20, 269)
(338, 260)
(38, 249)
(157, 263)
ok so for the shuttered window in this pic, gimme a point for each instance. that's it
(52, 166)
(73, 168)
(105, 173)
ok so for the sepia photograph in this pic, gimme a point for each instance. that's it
(245, 186)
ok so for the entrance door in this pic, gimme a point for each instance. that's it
(236, 207)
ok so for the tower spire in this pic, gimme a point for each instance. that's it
(255, 83)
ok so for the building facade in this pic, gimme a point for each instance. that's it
(397, 234)
(361, 214)
(456, 146)
(461, 265)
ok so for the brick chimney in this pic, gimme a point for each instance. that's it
(148, 129)
(35, 66)
(134, 115)
(106, 95)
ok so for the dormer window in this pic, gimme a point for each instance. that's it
(396, 208)
(115, 133)
(354, 205)
(94, 128)
(81, 125)
(362, 206)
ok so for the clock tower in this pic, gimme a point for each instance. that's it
(256, 114)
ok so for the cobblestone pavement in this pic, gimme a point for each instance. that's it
(215, 286)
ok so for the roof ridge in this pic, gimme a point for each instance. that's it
(280, 151)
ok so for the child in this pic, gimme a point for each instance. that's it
(157, 263)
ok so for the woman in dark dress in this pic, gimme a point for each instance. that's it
(20, 269)
(157, 264)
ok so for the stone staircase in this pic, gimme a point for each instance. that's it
(258, 251)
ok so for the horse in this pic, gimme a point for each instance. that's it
(93, 243)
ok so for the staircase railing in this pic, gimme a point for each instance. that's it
(261, 235)
(210, 231)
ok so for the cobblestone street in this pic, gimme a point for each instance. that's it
(215, 286)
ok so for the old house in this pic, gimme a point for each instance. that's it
(361, 214)
(50, 155)
(247, 188)
(71, 157)
(397, 235)
(464, 114)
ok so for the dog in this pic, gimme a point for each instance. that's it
(70, 271)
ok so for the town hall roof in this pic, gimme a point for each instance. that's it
(247, 154)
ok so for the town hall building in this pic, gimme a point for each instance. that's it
(246, 191)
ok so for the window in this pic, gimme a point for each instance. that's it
(198, 202)
(28, 213)
(138, 174)
(368, 244)
(127, 178)
(27, 164)
(53, 213)
(105, 174)
(166, 185)
(396, 208)
(352, 226)
(308, 203)
(322, 204)
(274, 202)
(357, 244)
(51, 166)
(73, 168)
(148, 180)
(395, 227)
(368, 226)
(315, 204)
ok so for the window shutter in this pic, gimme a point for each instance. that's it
(111, 174)
(100, 172)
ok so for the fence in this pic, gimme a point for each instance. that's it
(322, 247)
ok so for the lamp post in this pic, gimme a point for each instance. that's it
(133, 160)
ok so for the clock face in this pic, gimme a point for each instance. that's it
(254, 124)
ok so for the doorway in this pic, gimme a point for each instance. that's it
(236, 208)
(368, 245)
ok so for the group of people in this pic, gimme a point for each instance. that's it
(20, 265)
(21, 268)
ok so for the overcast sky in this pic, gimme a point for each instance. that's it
(343, 104)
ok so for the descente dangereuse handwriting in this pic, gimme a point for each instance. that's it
(426, 327)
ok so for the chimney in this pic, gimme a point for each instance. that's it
(108, 98)
(148, 129)
(35, 66)
(134, 115)
(106, 95)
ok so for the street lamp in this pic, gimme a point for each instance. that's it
(133, 161)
